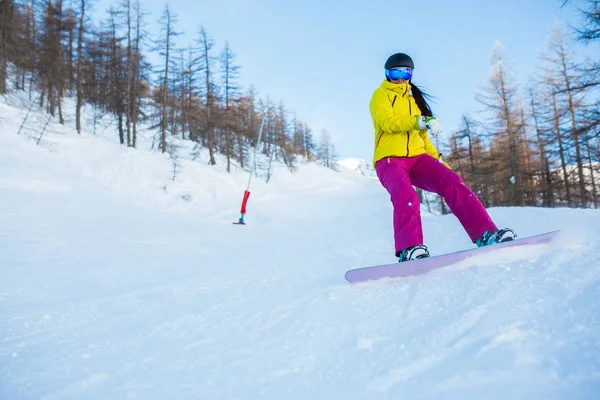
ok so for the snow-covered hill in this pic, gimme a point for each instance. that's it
(361, 166)
(117, 282)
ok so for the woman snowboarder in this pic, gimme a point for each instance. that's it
(405, 156)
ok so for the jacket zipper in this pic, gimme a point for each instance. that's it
(408, 132)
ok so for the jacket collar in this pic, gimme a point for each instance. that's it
(402, 90)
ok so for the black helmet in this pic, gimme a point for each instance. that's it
(399, 60)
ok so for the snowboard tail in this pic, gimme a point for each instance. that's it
(421, 266)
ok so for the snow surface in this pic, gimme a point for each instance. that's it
(359, 165)
(117, 282)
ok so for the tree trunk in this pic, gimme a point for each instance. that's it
(547, 192)
(136, 72)
(6, 32)
(563, 162)
(129, 78)
(79, 68)
(594, 198)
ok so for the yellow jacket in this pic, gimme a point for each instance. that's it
(394, 114)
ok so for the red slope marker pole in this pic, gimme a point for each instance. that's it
(243, 208)
(247, 191)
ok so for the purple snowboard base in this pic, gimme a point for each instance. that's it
(424, 265)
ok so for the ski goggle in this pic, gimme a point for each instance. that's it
(399, 73)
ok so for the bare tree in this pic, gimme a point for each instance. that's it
(500, 97)
(69, 25)
(562, 147)
(51, 60)
(566, 79)
(116, 72)
(137, 68)
(207, 61)
(326, 153)
(230, 74)
(7, 39)
(166, 47)
(309, 147)
(546, 182)
(61, 49)
(590, 30)
(126, 7)
(80, 61)
(469, 159)
(25, 37)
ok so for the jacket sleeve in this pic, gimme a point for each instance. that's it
(383, 115)
(429, 147)
(431, 150)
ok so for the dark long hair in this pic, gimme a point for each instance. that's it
(421, 99)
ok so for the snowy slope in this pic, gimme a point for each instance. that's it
(119, 283)
(358, 165)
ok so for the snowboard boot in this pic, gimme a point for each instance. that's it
(413, 253)
(501, 235)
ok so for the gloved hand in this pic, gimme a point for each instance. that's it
(434, 126)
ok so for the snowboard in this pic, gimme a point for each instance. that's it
(421, 266)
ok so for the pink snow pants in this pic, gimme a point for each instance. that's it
(398, 175)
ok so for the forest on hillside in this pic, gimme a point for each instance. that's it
(54, 49)
(538, 145)
(528, 146)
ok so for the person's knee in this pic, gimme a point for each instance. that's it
(455, 186)
(450, 180)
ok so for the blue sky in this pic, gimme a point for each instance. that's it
(324, 58)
